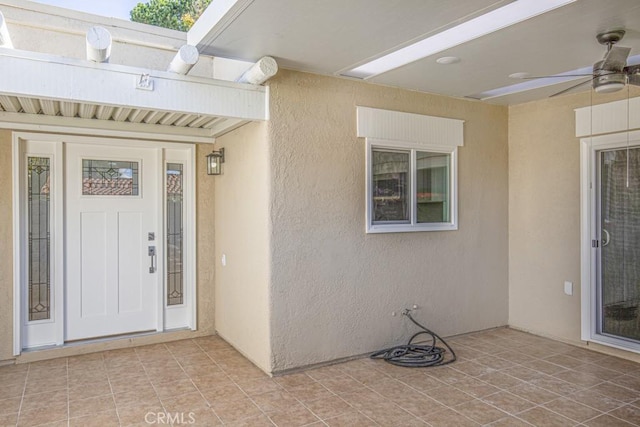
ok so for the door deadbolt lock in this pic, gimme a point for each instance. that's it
(152, 255)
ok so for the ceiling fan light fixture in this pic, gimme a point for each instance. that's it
(609, 83)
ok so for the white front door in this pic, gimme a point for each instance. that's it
(112, 222)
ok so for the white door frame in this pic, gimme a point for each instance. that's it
(187, 157)
(588, 224)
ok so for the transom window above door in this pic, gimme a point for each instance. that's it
(110, 178)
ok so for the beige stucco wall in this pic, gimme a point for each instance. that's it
(333, 287)
(544, 214)
(6, 249)
(242, 236)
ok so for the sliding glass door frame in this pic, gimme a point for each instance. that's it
(591, 238)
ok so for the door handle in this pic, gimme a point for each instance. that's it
(608, 238)
(152, 255)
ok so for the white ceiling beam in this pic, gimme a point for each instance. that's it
(30, 105)
(87, 111)
(137, 116)
(215, 19)
(10, 103)
(104, 113)
(225, 126)
(154, 117)
(19, 121)
(36, 75)
(69, 109)
(121, 114)
(98, 44)
(50, 108)
(185, 120)
(170, 118)
(5, 38)
(184, 60)
(199, 122)
(259, 72)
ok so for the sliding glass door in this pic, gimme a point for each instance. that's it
(619, 244)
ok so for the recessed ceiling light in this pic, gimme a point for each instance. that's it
(446, 60)
(521, 75)
(490, 22)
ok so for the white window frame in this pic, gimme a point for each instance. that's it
(413, 224)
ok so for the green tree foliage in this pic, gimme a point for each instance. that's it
(175, 14)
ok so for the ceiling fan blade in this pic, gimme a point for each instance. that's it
(633, 71)
(555, 77)
(616, 58)
(571, 88)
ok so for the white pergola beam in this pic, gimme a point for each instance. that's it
(50, 108)
(30, 105)
(36, 75)
(10, 104)
(98, 44)
(260, 72)
(5, 38)
(184, 60)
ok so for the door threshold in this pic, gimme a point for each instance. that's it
(112, 342)
(110, 337)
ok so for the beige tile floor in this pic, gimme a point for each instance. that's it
(503, 378)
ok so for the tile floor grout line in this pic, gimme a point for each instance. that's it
(198, 388)
(68, 403)
(24, 390)
(235, 383)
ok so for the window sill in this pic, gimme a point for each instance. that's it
(408, 228)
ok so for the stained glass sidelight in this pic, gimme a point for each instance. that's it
(38, 205)
(175, 197)
(109, 178)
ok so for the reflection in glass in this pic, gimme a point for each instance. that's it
(620, 242)
(390, 186)
(432, 182)
(109, 178)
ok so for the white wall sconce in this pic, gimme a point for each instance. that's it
(214, 162)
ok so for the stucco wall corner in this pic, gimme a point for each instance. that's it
(6, 246)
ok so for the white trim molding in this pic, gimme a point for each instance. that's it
(409, 127)
(611, 117)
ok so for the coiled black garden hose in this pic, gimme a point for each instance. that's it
(415, 355)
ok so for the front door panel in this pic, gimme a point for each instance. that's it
(111, 207)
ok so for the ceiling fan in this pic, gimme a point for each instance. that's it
(610, 74)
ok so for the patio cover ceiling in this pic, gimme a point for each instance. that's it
(121, 97)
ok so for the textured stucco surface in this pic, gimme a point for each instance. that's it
(6, 248)
(333, 287)
(544, 214)
(242, 235)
